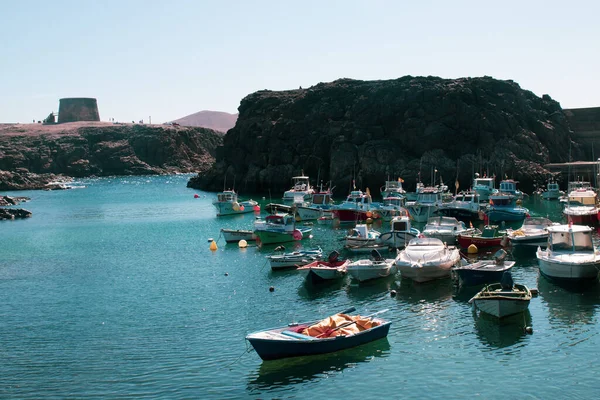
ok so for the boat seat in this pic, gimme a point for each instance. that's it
(376, 255)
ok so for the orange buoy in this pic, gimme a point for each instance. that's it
(213, 246)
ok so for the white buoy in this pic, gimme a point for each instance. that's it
(242, 244)
(210, 240)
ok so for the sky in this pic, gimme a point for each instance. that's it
(167, 59)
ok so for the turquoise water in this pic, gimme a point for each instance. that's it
(111, 291)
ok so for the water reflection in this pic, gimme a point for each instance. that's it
(570, 303)
(281, 373)
(412, 292)
(310, 291)
(499, 333)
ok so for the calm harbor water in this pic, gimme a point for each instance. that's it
(112, 291)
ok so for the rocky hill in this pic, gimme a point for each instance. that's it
(215, 120)
(83, 149)
(369, 130)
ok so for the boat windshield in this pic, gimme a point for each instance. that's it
(401, 226)
(572, 241)
(483, 182)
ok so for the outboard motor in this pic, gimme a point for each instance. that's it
(376, 255)
(507, 281)
(333, 256)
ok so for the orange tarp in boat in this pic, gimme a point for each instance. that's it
(347, 325)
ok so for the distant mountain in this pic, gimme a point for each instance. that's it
(216, 120)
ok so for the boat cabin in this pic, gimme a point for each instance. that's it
(575, 238)
(553, 187)
(228, 196)
(394, 201)
(322, 199)
(400, 224)
(467, 197)
(585, 197)
(393, 187)
(489, 231)
(484, 182)
(503, 200)
(282, 220)
(508, 186)
(574, 185)
(360, 230)
(429, 195)
(358, 197)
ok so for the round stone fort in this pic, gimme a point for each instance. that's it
(75, 109)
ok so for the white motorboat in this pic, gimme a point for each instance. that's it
(533, 232)
(376, 267)
(393, 189)
(321, 270)
(426, 259)
(570, 255)
(294, 259)
(446, 229)
(401, 232)
(502, 299)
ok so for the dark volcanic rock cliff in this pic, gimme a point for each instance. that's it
(101, 149)
(372, 129)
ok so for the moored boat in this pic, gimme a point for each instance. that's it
(358, 207)
(294, 259)
(362, 235)
(373, 268)
(504, 207)
(300, 191)
(320, 203)
(552, 191)
(582, 206)
(332, 334)
(279, 228)
(446, 229)
(235, 235)
(426, 259)
(484, 187)
(502, 299)
(465, 207)
(227, 203)
(401, 232)
(570, 254)
(426, 206)
(321, 270)
(533, 232)
(482, 271)
(489, 237)
(392, 189)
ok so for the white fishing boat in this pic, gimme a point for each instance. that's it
(294, 259)
(465, 207)
(426, 259)
(484, 187)
(319, 206)
(235, 235)
(533, 232)
(446, 229)
(502, 299)
(300, 191)
(426, 206)
(227, 203)
(401, 232)
(392, 207)
(373, 268)
(570, 254)
(392, 189)
(582, 206)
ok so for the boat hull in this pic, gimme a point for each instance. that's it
(309, 213)
(364, 270)
(496, 215)
(502, 307)
(588, 218)
(422, 212)
(428, 272)
(530, 241)
(226, 208)
(272, 349)
(272, 237)
(353, 215)
(581, 271)
(486, 272)
(460, 214)
(234, 236)
(466, 241)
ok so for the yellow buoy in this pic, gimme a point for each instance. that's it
(472, 249)
(213, 246)
(369, 221)
(242, 244)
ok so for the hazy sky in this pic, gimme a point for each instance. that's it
(170, 58)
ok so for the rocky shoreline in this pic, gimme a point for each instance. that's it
(13, 213)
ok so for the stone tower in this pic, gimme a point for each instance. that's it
(78, 109)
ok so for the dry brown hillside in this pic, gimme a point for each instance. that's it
(216, 120)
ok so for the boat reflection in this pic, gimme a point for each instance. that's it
(499, 333)
(569, 303)
(371, 290)
(281, 373)
(412, 292)
(310, 291)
